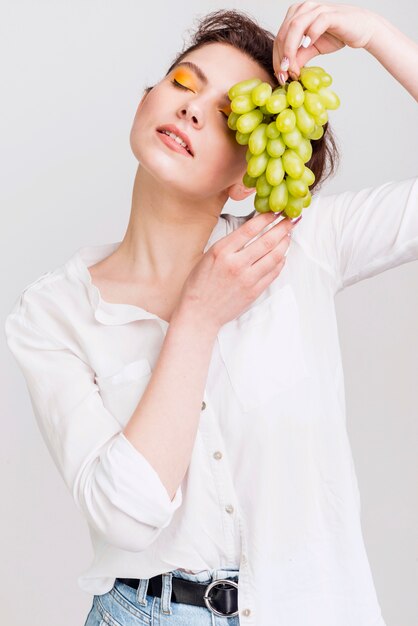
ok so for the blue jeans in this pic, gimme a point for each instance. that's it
(125, 606)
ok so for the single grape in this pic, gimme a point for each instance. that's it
(294, 206)
(258, 139)
(249, 181)
(293, 138)
(257, 164)
(304, 120)
(286, 121)
(277, 102)
(276, 147)
(304, 149)
(243, 104)
(262, 186)
(312, 103)
(321, 118)
(309, 79)
(308, 176)
(306, 200)
(317, 132)
(292, 163)
(295, 94)
(297, 187)
(261, 93)
(274, 171)
(329, 98)
(313, 68)
(278, 197)
(243, 87)
(242, 138)
(272, 131)
(261, 204)
(326, 80)
(248, 121)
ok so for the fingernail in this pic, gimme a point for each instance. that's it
(282, 79)
(295, 220)
(284, 65)
(306, 41)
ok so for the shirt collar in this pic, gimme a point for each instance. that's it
(110, 313)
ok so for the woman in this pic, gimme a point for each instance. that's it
(189, 384)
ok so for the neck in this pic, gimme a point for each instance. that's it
(167, 233)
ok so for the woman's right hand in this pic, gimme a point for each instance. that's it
(231, 275)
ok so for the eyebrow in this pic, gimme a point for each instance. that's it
(201, 75)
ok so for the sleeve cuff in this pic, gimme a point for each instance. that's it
(133, 485)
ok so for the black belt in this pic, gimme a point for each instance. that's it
(220, 596)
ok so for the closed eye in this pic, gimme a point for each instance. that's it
(177, 84)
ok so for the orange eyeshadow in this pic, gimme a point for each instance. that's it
(184, 78)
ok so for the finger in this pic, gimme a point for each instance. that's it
(280, 38)
(304, 55)
(298, 27)
(249, 229)
(266, 242)
(326, 21)
(269, 261)
(267, 279)
(281, 33)
(283, 75)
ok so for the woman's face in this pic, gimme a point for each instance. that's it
(200, 109)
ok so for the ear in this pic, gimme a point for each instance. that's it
(238, 191)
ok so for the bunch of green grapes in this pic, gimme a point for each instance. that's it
(277, 125)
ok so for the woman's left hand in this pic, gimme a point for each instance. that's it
(329, 26)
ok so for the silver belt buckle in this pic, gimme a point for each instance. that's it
(206, 596)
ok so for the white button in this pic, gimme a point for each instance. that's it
(217, 455)
(229, 508)
(203, 406)
(246, 612)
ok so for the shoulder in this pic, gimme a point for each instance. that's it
(44, 302)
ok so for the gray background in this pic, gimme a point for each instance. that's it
(72, 76)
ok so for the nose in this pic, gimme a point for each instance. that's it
(191, 114)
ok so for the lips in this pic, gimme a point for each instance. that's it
(174, 129)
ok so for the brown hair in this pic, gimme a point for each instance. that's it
(241, 31)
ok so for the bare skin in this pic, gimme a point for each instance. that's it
(161, 300)
(177, 199)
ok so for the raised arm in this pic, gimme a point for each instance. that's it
(329, 27)
(397, 53)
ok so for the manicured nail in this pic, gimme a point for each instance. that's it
(282, 79)
(306, 41)
(295, 220)
(284, 65)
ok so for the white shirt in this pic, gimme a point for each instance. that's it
(271, 487)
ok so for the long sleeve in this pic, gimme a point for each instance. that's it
(112, 483)
(355, 235)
